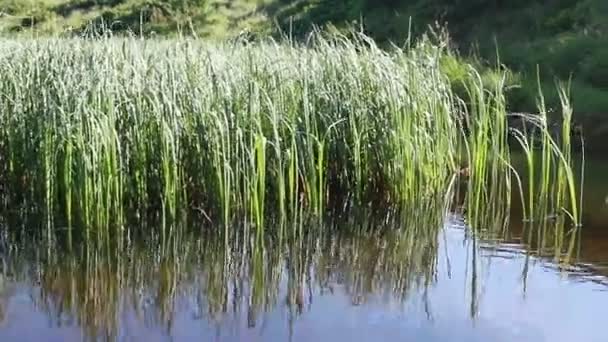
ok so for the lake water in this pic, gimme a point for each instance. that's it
(369, 286)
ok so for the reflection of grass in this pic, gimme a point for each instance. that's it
(363, 256)
(95, 288)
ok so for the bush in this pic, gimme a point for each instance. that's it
(594, 68)
(15, 7)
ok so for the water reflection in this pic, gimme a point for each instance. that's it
(150, 283)
(321, 284)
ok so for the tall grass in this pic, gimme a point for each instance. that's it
(98, 131)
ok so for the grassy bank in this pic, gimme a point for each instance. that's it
(94, 132)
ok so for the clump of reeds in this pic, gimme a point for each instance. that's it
(94, 132)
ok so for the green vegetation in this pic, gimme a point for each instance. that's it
(210, 18)
(97, 132)
(274, 147)
(564, 37)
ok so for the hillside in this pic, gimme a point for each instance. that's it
(562, 37)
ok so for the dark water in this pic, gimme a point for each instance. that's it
(397, 286)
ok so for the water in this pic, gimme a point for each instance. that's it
(328, 286)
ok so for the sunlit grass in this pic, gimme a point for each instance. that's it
(95, 132)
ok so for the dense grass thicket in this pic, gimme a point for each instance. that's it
(565, 38)
(94, 132)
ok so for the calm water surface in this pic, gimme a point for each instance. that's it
(326, 287)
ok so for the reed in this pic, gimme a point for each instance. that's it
(97, 131)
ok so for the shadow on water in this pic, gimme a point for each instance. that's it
(591, 252)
